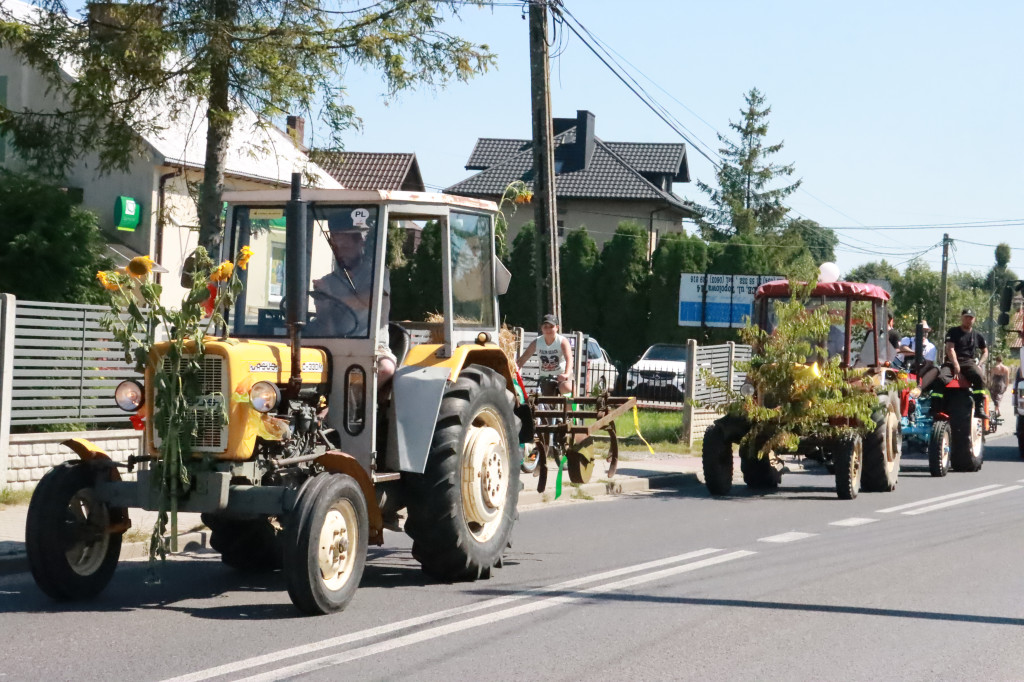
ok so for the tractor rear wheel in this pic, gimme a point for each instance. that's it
(938, 449)
(462, 508)
(848, 457)
(325, 544)
(882, 451)
(966, 432)
(249, 545)
(71, 553)
(716, 456)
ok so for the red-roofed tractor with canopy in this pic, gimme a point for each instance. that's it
(861, 455)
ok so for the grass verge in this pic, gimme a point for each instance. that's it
(9, 496)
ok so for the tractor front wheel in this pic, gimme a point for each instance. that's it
(716, 456)
(1020, 436)
(938, 449)
(71, 552)
(462, 508)
(882, 451)
(325, 544)
(248, 545)
(848, 457)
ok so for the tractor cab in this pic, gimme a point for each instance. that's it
(854, 309)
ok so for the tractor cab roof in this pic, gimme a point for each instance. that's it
(856, 291)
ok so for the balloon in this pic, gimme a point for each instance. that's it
(828, 272)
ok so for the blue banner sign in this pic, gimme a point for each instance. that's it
(711, 300)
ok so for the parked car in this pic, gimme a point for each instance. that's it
(601, 373)
(659, 374)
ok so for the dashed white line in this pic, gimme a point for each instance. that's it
(305, 649)
(306, 667)
(940, 498)
(853, 521)
(792, 536)
(950, 503)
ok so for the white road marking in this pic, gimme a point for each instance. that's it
(791, 537)
(538, 605)
(950, 496)
(853, 521)
(950, 503)
(390, 628)
(1021, 481)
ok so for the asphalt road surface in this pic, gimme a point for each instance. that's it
(926, 583)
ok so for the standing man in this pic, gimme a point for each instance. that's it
(962, 344)
(555, 355)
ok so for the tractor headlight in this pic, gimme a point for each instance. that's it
(129, 395)
(264, 396)
(747, 389)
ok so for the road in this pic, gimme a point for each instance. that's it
(921, 584)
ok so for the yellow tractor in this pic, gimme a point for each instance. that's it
(312, 448)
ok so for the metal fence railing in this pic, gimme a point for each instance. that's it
(60, 366)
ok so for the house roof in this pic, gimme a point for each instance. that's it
(647, 157)
(257, 149)
(371, 170)
(608, 175)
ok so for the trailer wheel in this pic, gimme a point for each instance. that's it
(938, 449)
(848, 457)
(883, 448)
(71, 554)
(325, 544)
(249, 545)
(462, 508)
(1020, 436)
(966, 432)
(716, 456)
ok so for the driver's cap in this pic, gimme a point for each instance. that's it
(967, 312)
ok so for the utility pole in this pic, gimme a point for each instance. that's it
(544, 212)
(945, 267)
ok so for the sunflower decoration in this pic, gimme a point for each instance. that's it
(140, 267)
(107, 281)
(243, 257)
(223, 272)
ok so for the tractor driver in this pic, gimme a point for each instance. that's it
(344, 297)
(962, 343)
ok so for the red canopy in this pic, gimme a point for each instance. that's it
(855, 290)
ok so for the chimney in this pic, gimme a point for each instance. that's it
(297, 130)
(584, 139)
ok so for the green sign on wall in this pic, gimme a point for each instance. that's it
(127, 213)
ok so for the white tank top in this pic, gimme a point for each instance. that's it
(552, 361)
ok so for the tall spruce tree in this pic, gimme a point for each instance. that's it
(746, 202)
(139, 61)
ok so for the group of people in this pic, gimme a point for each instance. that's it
(964, 354)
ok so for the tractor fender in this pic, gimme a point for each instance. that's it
(417, 390)
(88, 451)
(338, 462)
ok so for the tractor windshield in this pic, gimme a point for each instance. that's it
(340, 249)
(836, 341)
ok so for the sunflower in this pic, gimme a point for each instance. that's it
(223, 272)
(140, 267)
(243, 257)
(106, 282)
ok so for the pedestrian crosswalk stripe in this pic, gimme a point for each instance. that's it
(853, 521)
(792, 536)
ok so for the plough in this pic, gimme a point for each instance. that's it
(561, 429)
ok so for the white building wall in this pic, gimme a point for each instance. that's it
(602, 218)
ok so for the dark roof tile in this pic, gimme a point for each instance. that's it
(371, 170)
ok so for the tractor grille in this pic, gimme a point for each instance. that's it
(211, 429)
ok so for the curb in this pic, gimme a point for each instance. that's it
(620, 485)
(130, 551)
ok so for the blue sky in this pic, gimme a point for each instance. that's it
(894, 113)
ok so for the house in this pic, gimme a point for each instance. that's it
(598, 184)
(151, 207)
(371, 170)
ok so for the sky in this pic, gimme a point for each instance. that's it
(894, 113)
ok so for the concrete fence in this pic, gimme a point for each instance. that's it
(702, 395)
(30, 455)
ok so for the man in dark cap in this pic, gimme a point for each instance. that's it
(962, 345)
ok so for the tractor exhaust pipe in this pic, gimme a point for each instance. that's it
(297, 300)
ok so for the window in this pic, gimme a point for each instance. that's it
(472, 277)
